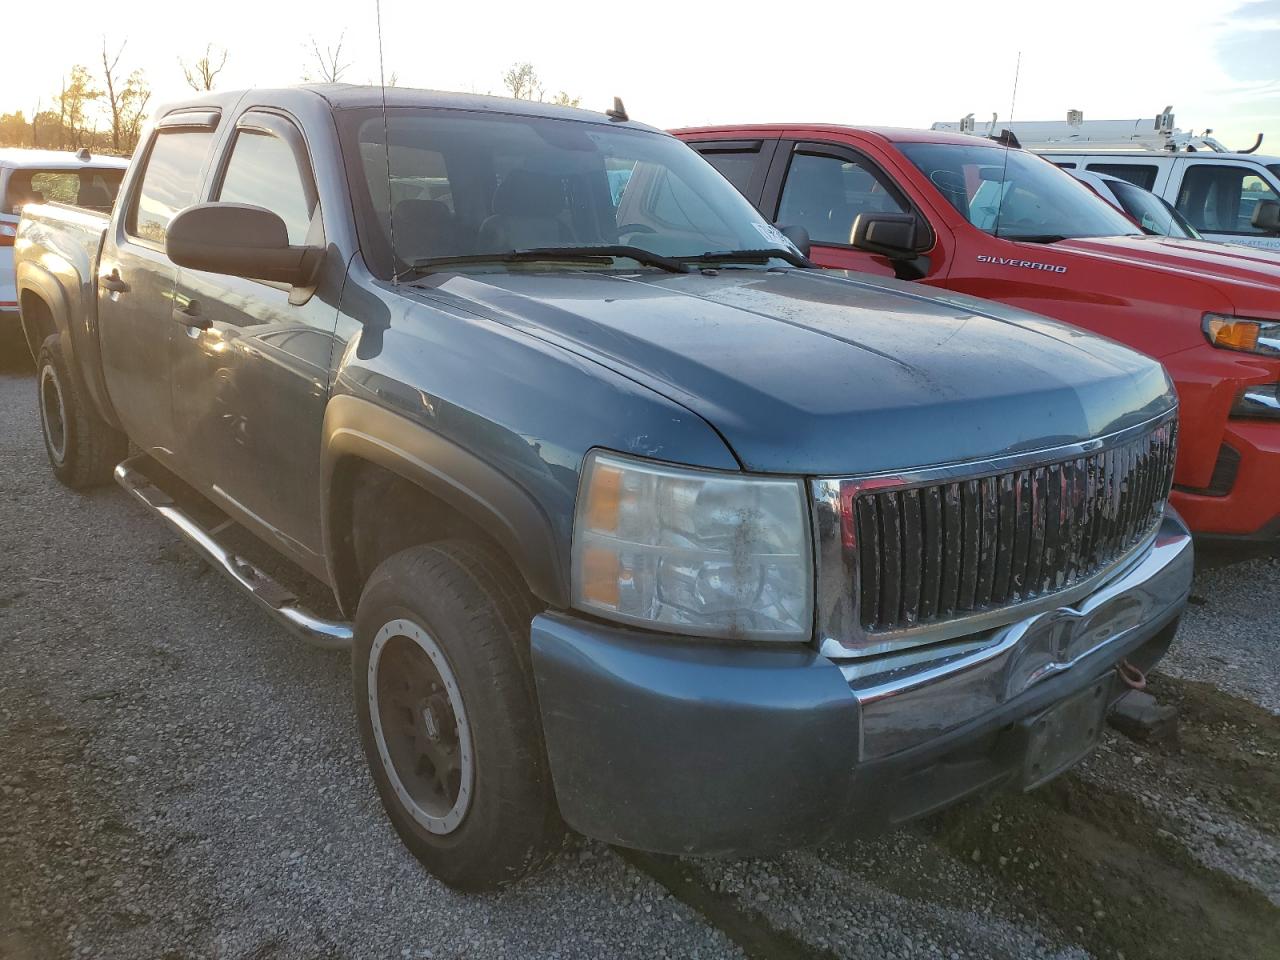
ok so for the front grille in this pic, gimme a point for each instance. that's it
(937, 552)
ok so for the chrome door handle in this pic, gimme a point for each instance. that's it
(189, 316)
(112, 283)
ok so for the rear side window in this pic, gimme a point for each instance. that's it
(94, 189)
(735, 166)
(170, 182)
(1221, 199)
(825, 195)
(262, 171)
(1139, 174)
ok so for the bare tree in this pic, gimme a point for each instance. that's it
(201, 74)
(563, 99)
(522, 82)
(126, 101)
(328, 62)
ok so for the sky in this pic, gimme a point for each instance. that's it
(839, 61)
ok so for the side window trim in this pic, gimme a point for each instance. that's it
(282, 128)
(789, 149)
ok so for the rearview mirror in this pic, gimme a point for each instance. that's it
(890, 234)
(799, 236)
(239, 240)
(1266, 216)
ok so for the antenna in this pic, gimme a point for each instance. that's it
(617, 112)
(386, 145)
(1008, 142)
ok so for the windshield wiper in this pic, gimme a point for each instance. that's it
(602, 254)
(1032, 237)
(749, 256)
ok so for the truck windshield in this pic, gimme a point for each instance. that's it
(451, 184)
(1031, 199)
(1154, 214)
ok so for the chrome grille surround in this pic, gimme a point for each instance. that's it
(1107, 494)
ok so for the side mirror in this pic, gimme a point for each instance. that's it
(1266, 216)
(799, 236)
(239, 240)
(890, 234)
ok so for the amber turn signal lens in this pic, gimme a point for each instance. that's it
(1232, 334)
(604, 499)
(600, 573)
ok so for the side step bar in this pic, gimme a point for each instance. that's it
(271, 595)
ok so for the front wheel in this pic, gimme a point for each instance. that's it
(448, 714)
(83, 449)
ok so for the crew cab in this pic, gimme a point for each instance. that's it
(38, 176)
(963, 213)
(632, 520)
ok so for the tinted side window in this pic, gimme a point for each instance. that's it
(1221, 199)
(825, 195)
(170, 182)
(1139, 174)
(734, 165)
(80, 188)
(263, 172)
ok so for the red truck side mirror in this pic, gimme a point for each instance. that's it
(240, 240)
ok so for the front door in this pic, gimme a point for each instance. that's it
(251, 367)
(136, 281)
(823, 187)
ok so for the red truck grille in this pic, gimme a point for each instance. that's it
(936, 552)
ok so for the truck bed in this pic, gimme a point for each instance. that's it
(58, 247)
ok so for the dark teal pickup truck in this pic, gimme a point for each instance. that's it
(636, 522)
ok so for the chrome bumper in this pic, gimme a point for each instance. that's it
(910, 698)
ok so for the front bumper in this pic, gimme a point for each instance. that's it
(1251, 508)
(689, 746)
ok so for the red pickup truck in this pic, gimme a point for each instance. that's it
(969, 215)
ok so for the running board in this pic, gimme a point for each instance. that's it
(271, 595)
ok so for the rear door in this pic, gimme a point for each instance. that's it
(744, 163)
(251, 363)
(136, 279)
(1218, 197)
(823, 187)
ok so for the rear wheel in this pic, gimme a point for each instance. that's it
(448, 714)
(82, 448)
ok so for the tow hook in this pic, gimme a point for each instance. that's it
(1132, 677)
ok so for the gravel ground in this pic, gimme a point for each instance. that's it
(179, 778)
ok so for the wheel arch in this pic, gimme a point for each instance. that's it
(450, 490)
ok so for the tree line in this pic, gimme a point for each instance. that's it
(103, 108)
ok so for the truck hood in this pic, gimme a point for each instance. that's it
(1243, 274)
(825, 372)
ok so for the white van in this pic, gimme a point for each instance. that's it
(1217, 190)
(1218, 193)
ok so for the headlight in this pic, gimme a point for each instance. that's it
(693, 551)
(1261, 401)
(1241, 333)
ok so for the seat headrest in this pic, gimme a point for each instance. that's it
(525, 193)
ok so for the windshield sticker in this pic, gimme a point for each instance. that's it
(775, 236)
(1028, 264)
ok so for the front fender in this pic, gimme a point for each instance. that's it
(354, 427)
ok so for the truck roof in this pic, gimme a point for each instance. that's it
(891, 134)
(348, 96)
(19, 157)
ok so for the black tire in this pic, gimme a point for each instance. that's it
(82, 448)
(464, 603)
